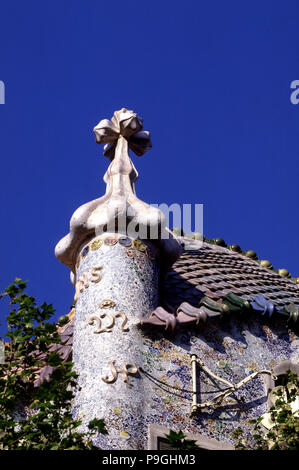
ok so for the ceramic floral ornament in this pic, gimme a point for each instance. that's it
(129, 125)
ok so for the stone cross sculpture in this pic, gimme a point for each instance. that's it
(115, 268)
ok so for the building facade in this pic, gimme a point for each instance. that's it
(170, 331)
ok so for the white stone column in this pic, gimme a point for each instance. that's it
(117, 283)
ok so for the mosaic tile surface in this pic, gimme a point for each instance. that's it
(132, 284)
(232, 348)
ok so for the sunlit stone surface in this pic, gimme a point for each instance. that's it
(129, 278)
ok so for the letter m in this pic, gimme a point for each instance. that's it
(183, 460)
(2, 92)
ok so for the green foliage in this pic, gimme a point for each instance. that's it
(177, 440)
(284, 435)
(37, 418)
(98, 425)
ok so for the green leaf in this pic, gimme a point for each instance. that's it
(98, 425)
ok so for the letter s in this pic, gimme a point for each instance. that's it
(295, 94)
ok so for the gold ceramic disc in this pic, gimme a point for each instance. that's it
(140, 246)
(96, 244)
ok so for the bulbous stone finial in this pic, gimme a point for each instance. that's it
(119, 210)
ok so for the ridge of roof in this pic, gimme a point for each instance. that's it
(199, 238)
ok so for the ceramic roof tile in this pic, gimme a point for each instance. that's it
(215, 271)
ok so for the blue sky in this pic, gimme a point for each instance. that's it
(212, 82)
